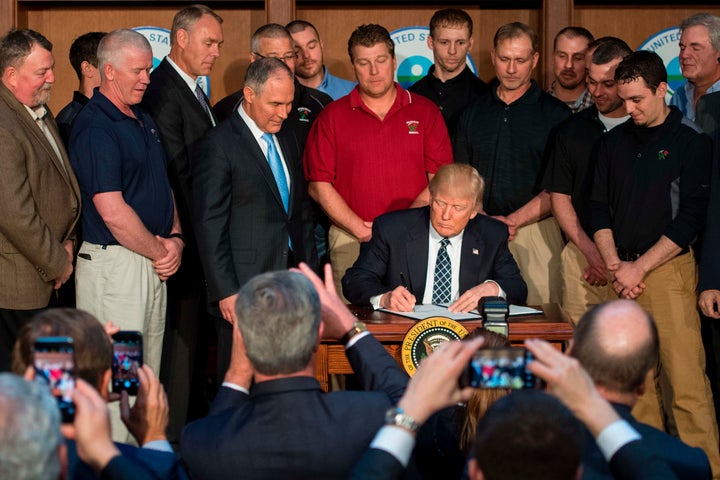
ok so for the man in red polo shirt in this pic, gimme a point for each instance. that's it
(372, 151)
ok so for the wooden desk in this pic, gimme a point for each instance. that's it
(553, 325)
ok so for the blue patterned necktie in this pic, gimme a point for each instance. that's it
(277, 169)
(201, 98)
(442, 282)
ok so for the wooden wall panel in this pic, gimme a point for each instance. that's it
(634, 24)
(62, 24)
(336, 24)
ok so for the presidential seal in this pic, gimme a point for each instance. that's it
(425, 336)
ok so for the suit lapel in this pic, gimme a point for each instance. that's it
(187, 94)
(417, 254)
(471, 255)
(255, 155)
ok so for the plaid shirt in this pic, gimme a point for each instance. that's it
(582, 102)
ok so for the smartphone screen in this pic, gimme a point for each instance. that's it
(54, 360)
(127, 359)
(500, 368)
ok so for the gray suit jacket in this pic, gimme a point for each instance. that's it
(40, 207)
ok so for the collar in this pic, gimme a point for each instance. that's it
(690, 89)
(325, 80)
(284, 385)
(459, 78)
(256, 132)
(532, 95)
(37, 113)
(80, 98)
(106, 106)
(402, 98)
(189, 81)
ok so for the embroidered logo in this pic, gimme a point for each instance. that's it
(304, 114)
(413, 127)
(662, 154)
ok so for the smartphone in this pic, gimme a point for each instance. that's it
(500, 368)
(127, 359)
(54, 360)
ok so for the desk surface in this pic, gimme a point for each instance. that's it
(552, 325)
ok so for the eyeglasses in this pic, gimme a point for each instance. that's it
(290, 57)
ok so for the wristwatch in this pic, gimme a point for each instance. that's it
(358, 327)
(397, 416)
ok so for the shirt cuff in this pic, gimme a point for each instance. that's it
(235, 387)
(396, 441)
(375, 301)
(614, 437)
(159, 445)
(501, 292)
(355, 339)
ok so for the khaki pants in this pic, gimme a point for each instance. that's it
(120, 285)
(577, 294)
(344, 250)
(536, 249)
(680, 394)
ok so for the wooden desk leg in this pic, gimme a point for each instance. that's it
(321, 366)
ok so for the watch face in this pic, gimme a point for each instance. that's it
(425, 336)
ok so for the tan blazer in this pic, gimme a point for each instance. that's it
(39, 207)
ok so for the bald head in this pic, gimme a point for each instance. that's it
(617, 343)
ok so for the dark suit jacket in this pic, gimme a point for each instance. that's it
(41, 205)
(290, 429)
(399, 246)
(633, 461)
(710, 259)
(687, 462)
(241, 225)
(182, 122)
(141, 462)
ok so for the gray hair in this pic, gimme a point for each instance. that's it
(114, 44)
(278, 314)
(188, 16)
(16, 46)
(29, 430)
(271, 30)
(707, 20)
(260, 71)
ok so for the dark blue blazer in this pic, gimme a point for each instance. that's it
(141, 462)
(686, 462)
(399, 247)
(289, 428)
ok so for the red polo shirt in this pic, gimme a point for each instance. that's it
(377, 166)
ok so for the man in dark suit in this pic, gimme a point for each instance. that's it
(39, 192)
(401, 264)
(251, 206)
(181, 111)
(617, 343)
(284, 426)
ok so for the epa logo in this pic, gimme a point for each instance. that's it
(414, 57)
(159, 39)
(666, 43)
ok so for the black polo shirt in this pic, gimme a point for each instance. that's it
(506, 144)
(651, 182)
(451, 96)
(570, 169)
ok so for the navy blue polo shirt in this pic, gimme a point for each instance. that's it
(112, 152)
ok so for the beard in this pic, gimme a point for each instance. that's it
(42, 96)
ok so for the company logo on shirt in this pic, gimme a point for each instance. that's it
(662, 154)
(413, 127)
(159, 39)
(414, 57)
(666, 43)
(304, 113)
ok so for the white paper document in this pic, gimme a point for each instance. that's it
(422, 312)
